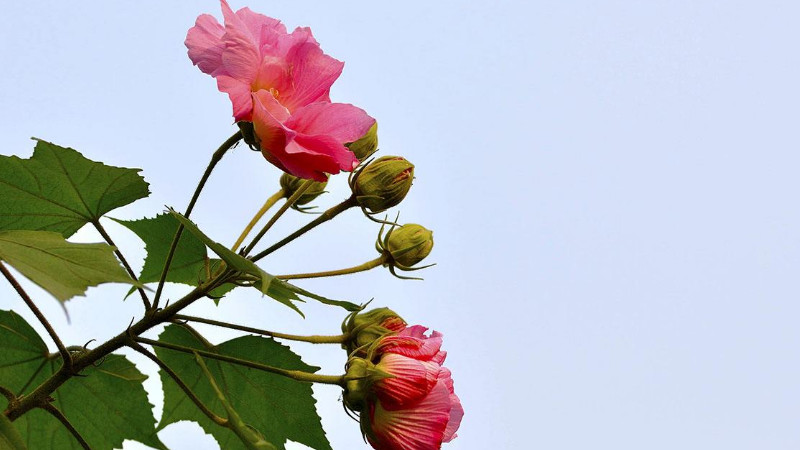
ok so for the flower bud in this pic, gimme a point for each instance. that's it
(409, 244)
(383, 183)
(366, 328)
(366, 145)
(356, 387)
(291, 183)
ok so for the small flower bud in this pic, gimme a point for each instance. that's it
(366, 145)
(290, 184)
(356, 386)
(366, 328)
(409, 244)
(383, 183)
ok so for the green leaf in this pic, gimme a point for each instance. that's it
(62, 268)
(10, 439)
(107, 405)
(278, 407)
(266, 283)
(57, 189)
(189, 261)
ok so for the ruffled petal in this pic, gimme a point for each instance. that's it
(456, 410)
(420, 427)
(240, 95)
(412, 380)
(312, 157)
(204, 43)
(241, 55)
(342, 121)
(313, 71)
(413, 343)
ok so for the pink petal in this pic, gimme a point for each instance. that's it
(240, 95)
(241, 55)
(420, 427)
(342, 121)
(314, 72)
(271, 104)
(312, 157)
(413, 343)
(204, 43)
(456, 410)
(412, 380)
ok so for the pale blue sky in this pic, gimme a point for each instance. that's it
(612, 185)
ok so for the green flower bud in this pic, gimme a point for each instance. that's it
(366, 328)
(360, 375)
(290, 184)
(366, 145)
(409, 244)
(383, 183)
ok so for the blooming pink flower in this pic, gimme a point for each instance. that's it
(416, 408)
(271, 77)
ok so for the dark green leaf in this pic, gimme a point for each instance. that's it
(10, 439)
(266, 283)
(107, 405)
(57, 189)
(62, 268)
(278, 407)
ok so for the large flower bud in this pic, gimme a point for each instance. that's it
(383, 183)
(409, 244)
(291, 183)
(366, 328)
(366, 145)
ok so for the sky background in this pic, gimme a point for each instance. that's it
(612, 186)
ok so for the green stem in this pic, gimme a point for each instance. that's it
(293, 374)
(64, 421)
(322, 218)
(267, 205)
(122, 259)
(332, 273)
(289, 202)
(215, 158)
(210, 414)
(41, 394)
(8, 394)
(65, 354)
(339, 339)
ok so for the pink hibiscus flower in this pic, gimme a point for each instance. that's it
(416, 408)
(281, 82)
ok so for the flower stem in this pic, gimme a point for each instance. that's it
(322, 218)
(338, 339)
(267, 205)
(215, 158)
(332, 273)
(122, 259)
(189, 393)
(64, 421)
(289, 202)
(293, 374)
(65, 354)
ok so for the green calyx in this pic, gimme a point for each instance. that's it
(366, 328)
(360, 375)
(409, 244)
(290, 184)
(383, 183)
(366, 145)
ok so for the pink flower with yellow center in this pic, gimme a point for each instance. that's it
(281, 82)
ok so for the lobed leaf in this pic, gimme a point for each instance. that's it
(62, 268)
(107, 405)
(58, 189)
(278, 407)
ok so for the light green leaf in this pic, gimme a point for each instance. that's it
(62, 268)
(266, 283)
(278, 407)
(107, 405)
(10, 439)
(57, 189)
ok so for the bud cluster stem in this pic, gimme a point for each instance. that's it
(332, 273)
(314, 339)
(267, 205)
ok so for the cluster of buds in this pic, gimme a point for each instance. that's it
(397, 384)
